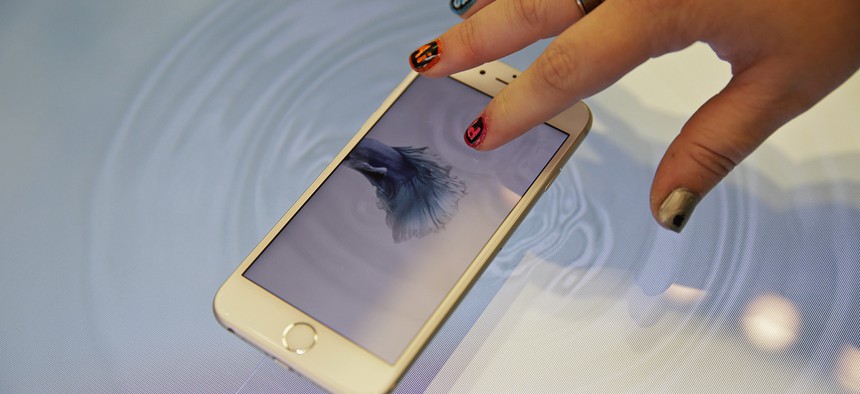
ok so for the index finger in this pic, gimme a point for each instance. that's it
(584, 59)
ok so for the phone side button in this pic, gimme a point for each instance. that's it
(299, 338)
(551, 180)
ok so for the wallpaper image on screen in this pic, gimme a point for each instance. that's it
(416, 190)
(378, 246)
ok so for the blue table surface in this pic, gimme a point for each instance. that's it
(148, 146)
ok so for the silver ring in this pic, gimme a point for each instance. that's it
(587, 6)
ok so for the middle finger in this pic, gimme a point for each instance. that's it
(499, 29)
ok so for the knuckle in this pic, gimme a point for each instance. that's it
(502, 104)
(654, 8)
(529, 13)
(772, 102)
(787, 96)
(659, 10)
(715, 163)
(557, 69)
(670, 20)
(471, 39)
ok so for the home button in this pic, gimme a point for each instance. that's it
(299, 337)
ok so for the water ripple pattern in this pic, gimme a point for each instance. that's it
(233, 124)
(245, 111)
(623, 306)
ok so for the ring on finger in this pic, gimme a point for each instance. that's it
(587, 6)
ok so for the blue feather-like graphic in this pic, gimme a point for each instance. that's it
(415, 189)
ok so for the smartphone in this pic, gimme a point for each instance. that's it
(354, 280)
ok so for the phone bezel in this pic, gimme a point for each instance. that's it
(336, 363)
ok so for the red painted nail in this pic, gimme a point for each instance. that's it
(476, 132)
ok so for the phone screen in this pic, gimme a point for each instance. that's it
(382, 241)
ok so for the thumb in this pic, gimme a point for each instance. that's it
(723, 132)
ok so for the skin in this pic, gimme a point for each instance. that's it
(786, 55)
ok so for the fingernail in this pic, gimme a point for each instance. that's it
(426, 56)
(461, 6)
(476, 132)
(676, 209)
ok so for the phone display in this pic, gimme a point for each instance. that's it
(354, 280)
(376, 248)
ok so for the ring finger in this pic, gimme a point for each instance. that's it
(501, 28)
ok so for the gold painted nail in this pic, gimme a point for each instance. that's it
(676, 209)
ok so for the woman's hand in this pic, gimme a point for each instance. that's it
(786, 55)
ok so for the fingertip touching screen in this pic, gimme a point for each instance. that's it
(378, 246)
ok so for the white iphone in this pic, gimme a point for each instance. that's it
(354, 280)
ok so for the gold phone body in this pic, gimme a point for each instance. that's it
(333, 361)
